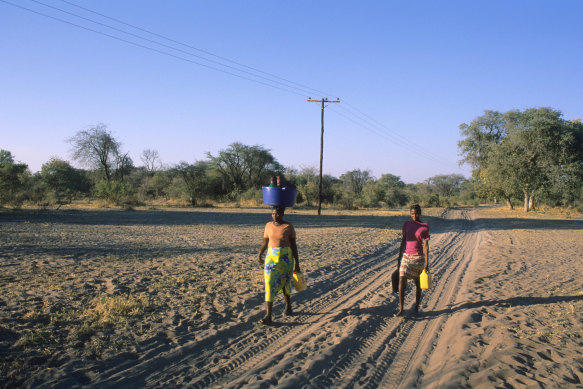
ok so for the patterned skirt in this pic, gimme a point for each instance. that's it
(279, 264)
(412, 265)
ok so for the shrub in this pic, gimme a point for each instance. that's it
(114, 191)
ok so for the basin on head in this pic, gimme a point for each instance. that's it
(281, 196)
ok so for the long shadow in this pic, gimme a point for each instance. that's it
(83, 252)
(487, 224)
(510, 302)
(189, 218)
(509, 223)
(385, 311)
(247, 219)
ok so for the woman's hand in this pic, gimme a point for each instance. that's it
(262, 249)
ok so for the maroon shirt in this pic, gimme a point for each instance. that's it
(414, 234)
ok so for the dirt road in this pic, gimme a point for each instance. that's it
(344, 334)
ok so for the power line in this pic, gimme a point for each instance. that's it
(428, 156)
(150, 48)
(307, 91)
(369, 121)
(314, 91)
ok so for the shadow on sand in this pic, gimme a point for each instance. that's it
(192, 217)
(507, 303)
(245, 219)
(389, 310)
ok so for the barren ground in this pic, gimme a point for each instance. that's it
(101, 298)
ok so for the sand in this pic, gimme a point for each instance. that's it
(159, 298)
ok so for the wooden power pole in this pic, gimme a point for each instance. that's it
(323, 101)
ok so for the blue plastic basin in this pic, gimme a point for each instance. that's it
(281, 196)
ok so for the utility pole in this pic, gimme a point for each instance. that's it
(323, 101)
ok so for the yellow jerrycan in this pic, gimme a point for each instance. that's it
(425, 280)
(299, 281)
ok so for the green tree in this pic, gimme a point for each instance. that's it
(160, 183)
(306, 181)
(63, 179)
(13, 178)
(392, 190)
(480, 137)
(532, 153)
(243, 167)
(6, 158)
(355, 180)
(447, 185)
(195, 180)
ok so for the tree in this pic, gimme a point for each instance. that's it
(497, 178)
(151, 160)
(195, 179)
(160, 184)
(63, 179)
(392, 190)
(243, 167)
(13, 177)
(97, 148)
(355, 180)
(6, 158)
(306, 181)
(446, 184)
(123, 166)
(530, 153)
(480, 137)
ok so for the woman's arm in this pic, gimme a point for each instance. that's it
(262, 250)
(426, 252)
(294, 248)
(401, 252)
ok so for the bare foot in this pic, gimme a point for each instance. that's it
(289, 311)
(400, 313)
(266, 321)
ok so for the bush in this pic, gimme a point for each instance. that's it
(114, 192)
(432, 201)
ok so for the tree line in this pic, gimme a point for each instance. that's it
(533, 155)
(515, 156)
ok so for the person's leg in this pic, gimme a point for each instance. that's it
(417, 294)
(269, 293)
(268, 307)
(288, 307)
(402, 288)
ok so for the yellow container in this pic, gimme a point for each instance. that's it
(299, 281)
(425, 280)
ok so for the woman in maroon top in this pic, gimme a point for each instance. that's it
(413, 255)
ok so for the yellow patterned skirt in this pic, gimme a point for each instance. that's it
(279, 264)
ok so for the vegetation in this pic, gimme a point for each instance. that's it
(534, 154)
(515, 156)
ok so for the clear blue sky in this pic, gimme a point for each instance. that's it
(417, 70)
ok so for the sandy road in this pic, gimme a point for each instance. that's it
(344, 334)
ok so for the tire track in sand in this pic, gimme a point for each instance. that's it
(207, 362)
(345, 334)
(377, 353)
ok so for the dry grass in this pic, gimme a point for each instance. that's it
(112, 310)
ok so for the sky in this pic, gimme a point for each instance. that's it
(187, 78)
